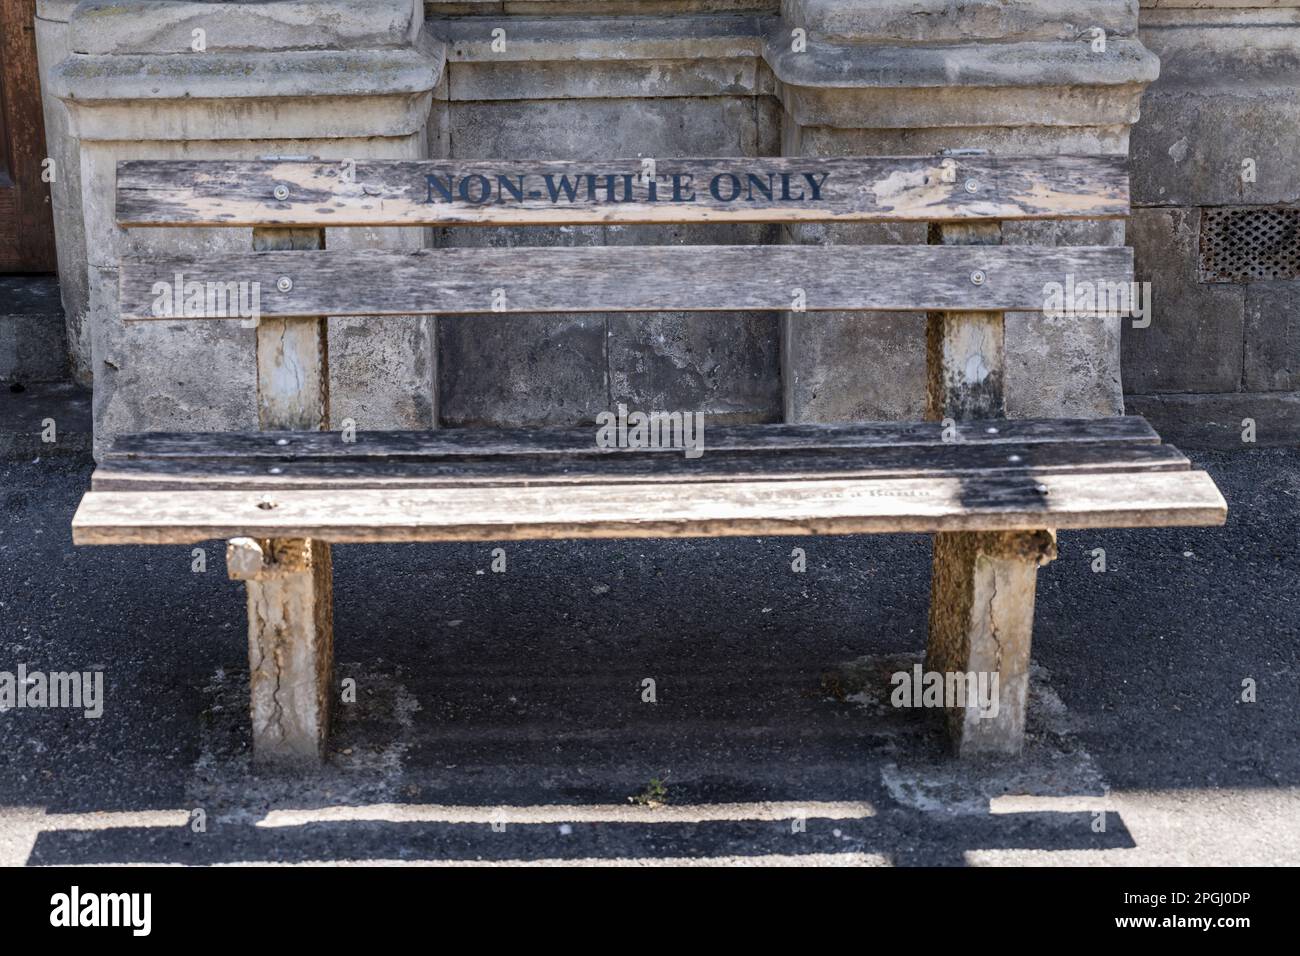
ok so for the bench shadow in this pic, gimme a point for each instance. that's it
(849, 842)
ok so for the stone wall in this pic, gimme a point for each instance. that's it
(575, 79)
(1220, 128)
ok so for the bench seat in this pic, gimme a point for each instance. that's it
(472, 484)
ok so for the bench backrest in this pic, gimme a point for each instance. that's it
(297, 194)
(518, 193)
(965, 273)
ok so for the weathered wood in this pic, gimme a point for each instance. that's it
(193, 474)
(649, 510)
(981, 624)
(292, 353)
(483, 442)
(290, 600)
(473, 281)
(982, 584)
(966, 351)
(290, 645)
(407, 193)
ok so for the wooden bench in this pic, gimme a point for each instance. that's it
(993, 491)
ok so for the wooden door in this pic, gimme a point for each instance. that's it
(26, 221)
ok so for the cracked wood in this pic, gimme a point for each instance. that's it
(530, 192)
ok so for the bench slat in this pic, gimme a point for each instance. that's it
(411, 193)
(687, 509)
(621, 279)
(665, 466)
(460, 443)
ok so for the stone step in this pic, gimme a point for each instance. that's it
(33, 337)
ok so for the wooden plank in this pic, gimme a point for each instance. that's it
(290, 645)
(291, 595)
(982, 622)
(26, 217)
(694, 509)
(292, 353)
(483, 442)
(184, 474)
(471, 281)
(965, 351)
(982, 583)
(429, 192)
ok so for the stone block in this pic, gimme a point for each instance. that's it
(724, 364)
(554, 57)
(167, 376)
(522, 370)
(1189, 148)
(938, 21)
(33, 343)
(1272, 336)
(556, 370)
(1218, 421)
(167, 26)
(1227, 92)
(1194, 342)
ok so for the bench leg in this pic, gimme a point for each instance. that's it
(290, 644)
(981, 621)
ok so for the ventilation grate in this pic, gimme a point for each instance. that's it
(1250, 243)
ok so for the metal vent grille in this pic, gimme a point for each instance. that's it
(1250, 243)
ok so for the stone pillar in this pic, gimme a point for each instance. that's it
(885, 78)
(982, 622)
(290, 645)
(1214, 157)
(337, 79)
(52, 48)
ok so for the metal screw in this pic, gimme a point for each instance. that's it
(282, 193)
(282, 441)
(277, 471)
(284, 283)
(972, 186)
(991, 430)
(1041, 489)
(977, 277)
(1014, 459)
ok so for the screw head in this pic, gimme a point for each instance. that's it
(978, 277)
(972, 186)
(275, 471)
(284, 283)
(281, 193)
(1041, 489)
(1014, 459)
(992, 430)
(282, 441)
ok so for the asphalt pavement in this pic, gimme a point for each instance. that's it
(502, 716)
